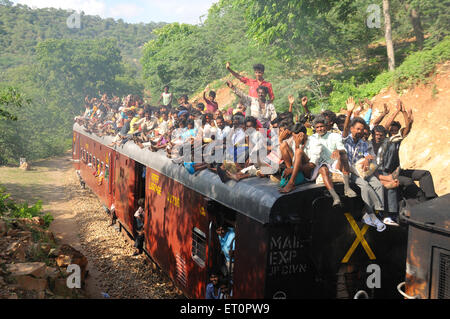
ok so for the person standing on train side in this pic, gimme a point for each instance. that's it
(254, 83)
(227, 243)
(139, 223)
(212, 289)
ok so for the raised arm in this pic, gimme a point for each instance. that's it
(247, 101)
(393, 116)
(305, 104)
(368, 114)
(204, 95)
(381, 116)
(351, 105)
(291, 100)
(235, 74)
(407, 119)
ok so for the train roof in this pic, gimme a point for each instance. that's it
(257, 198)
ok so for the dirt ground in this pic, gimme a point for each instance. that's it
(80, 221)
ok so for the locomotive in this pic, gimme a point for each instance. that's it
(293, 245)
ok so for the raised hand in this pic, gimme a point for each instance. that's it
(304, 100)
(350, 104)
(399, 105)
(291, 99)
(369, 103)
(227, 66)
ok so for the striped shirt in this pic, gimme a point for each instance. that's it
(355, 150)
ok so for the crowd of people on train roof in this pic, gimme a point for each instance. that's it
(252, 140)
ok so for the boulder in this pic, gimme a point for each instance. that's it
(34, 269)
(67, 255)
(60, 288)
(31, 283)
(29, 276)
(17, 251)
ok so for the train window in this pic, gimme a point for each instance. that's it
(102, 165)
(90, 158)
(198, 247)
(121, 172)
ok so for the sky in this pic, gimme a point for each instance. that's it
(133, 11)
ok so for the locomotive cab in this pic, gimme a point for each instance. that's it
(428, 252)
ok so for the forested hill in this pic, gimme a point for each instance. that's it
(54, 63)
(21, 28)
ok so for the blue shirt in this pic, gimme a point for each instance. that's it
(355, 151)
(210, 292)
(225, 243)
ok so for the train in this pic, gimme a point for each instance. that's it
(287, 246)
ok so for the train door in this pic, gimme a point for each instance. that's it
(139, 189)
(109, 176)
(124, 190)
(219, 215)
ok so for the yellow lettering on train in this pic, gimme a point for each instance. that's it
(155, 178)
(173, 200)
(202, 211)
(155, 188)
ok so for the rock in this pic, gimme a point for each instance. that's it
(61, 288)
(69, 255)
(35, 269)
(13, 232)
(30, 283)
(45, 247)
(25, 235)
(17, 251)
(12, 248)
(38, 220)
(63, 260)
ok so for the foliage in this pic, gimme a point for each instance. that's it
(11, 97)
(415, 68)
(12, 209)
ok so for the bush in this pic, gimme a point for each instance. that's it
(14, 210)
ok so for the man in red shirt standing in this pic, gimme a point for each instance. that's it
(254, 83)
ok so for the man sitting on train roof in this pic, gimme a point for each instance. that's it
(371, 188)
(321, 153)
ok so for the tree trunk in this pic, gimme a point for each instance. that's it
(388, 35)
(417, 26)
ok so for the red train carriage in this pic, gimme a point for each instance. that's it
(287, 245)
